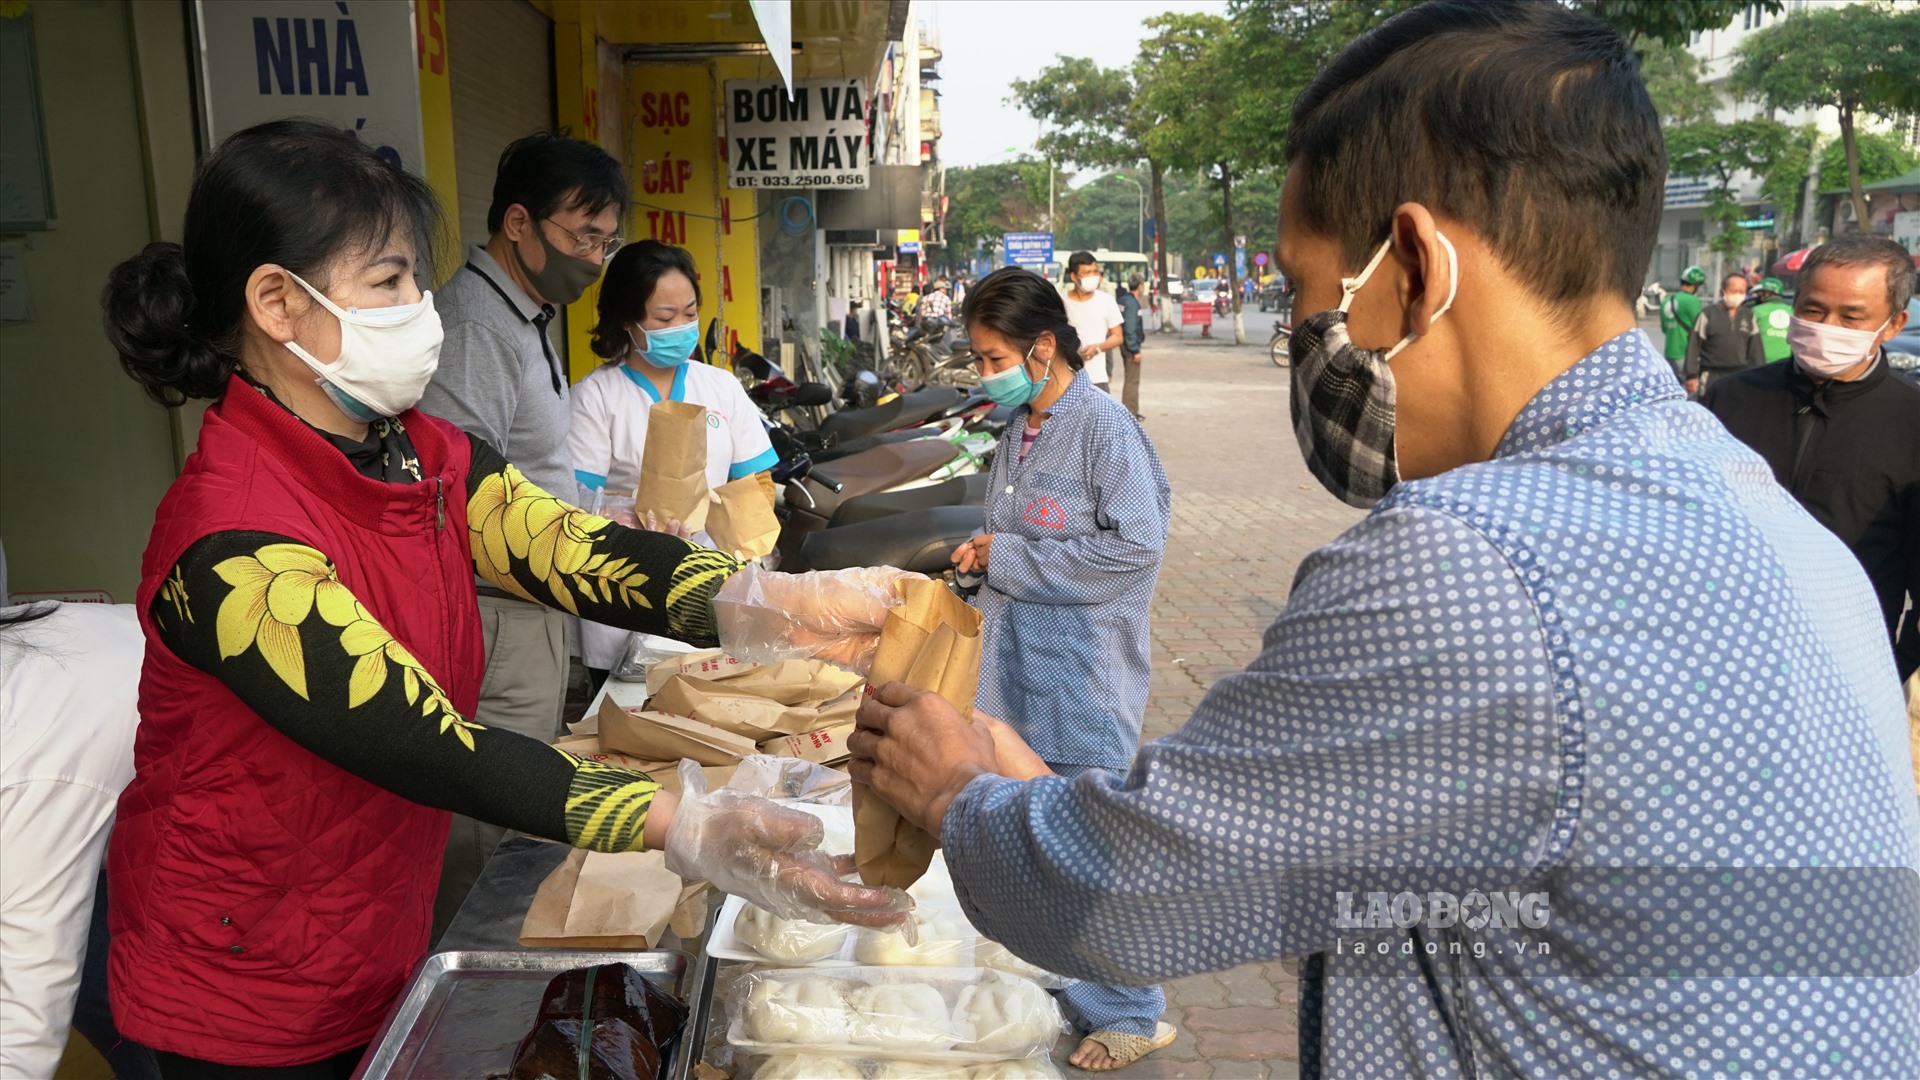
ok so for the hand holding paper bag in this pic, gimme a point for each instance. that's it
(932, 643)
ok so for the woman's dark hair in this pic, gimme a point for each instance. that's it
(628, 286)
(549, 172)
(295, 193)
(1528, 122)
(1020, 305)
(27, 613)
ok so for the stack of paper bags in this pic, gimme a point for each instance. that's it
(930, 642)
(602, 900)
(795, 708)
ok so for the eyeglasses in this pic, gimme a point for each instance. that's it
(586, 246)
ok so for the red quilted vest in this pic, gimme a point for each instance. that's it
(266, 906)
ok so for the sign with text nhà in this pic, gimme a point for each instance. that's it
(351, 64)
(816, 139)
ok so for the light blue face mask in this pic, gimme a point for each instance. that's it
(1014, 387)
(667, 348)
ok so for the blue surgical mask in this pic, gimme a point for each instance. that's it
(1013, 387)
(666, 348)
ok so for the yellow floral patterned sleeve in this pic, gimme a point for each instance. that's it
(542, 549)
(269, 617)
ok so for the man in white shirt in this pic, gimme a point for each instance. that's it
(1093, 314)
(68, 680)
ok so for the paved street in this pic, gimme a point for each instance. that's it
(1245, 512)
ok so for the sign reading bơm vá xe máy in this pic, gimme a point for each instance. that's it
(817, 139)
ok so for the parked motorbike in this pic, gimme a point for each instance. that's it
(1278, 345)
(1651, 297)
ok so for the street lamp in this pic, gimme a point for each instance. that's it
(1140, 235)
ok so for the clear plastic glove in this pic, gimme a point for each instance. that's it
(832, 615)
(671, 526)
(770, 856)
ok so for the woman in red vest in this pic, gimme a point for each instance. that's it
(313, 646)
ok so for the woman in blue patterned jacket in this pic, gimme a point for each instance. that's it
(1076, 520)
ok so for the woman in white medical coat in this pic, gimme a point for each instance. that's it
(649, 325)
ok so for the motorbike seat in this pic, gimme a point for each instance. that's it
(918, 540)
(959, 491)
(870, 471)
(903, 411)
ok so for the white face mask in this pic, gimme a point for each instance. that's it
(1825, 351)
(1089, 282)
(387, 356)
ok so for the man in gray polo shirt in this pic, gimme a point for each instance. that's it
(555, 220)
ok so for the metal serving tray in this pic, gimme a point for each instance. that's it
(464, 1013)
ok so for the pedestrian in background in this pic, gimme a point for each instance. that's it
(1771, 317)
(937, 304)
(1095, 316)
(1724, 339)
(1133, 335)
(554, 220)
(1839, 427)
(1076, 523)
(649, 325)
(1677, 316)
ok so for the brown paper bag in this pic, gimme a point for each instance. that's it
(828, 746)
(709, 664)
(789, 682)
(657, 736)
(664, 773)
(740, 517)
(673, 466)
(597, 900)
(730, 709)
(930, 642)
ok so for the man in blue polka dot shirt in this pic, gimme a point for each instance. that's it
(1583, 754)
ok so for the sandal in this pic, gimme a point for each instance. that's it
(1125, 1048)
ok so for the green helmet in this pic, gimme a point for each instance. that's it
(1771, 285)
(1693, 275)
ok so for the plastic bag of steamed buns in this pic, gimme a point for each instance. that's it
(949, 1016)
(821, 1067)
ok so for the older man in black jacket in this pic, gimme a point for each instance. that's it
(1840, 429)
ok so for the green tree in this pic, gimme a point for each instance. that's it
(1880, 157)
(1672, 75)
(1718, 151)
(1193, 82)
(1862, 59)
(1106, 213)
(1096, 120)
(1670, 22)
(985, 201)
(1784, 184)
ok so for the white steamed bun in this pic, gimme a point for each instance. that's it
(789, 941)
(810, 1012)
(917, 1070)
(806, 1067)
(905, 1016)
(943, 941)
(992, 954)
(1008, 1016)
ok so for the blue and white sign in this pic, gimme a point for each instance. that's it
(1028, 248)
(350, 63)
(1686, 191)
(1219, 258)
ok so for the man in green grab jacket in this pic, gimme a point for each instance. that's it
(1771, 312)
(1678, 313)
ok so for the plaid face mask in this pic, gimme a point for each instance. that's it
(1343, 397)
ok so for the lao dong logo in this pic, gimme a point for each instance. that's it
(1475, 910)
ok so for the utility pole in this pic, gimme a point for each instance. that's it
(1050, 193)
(1140, 193)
